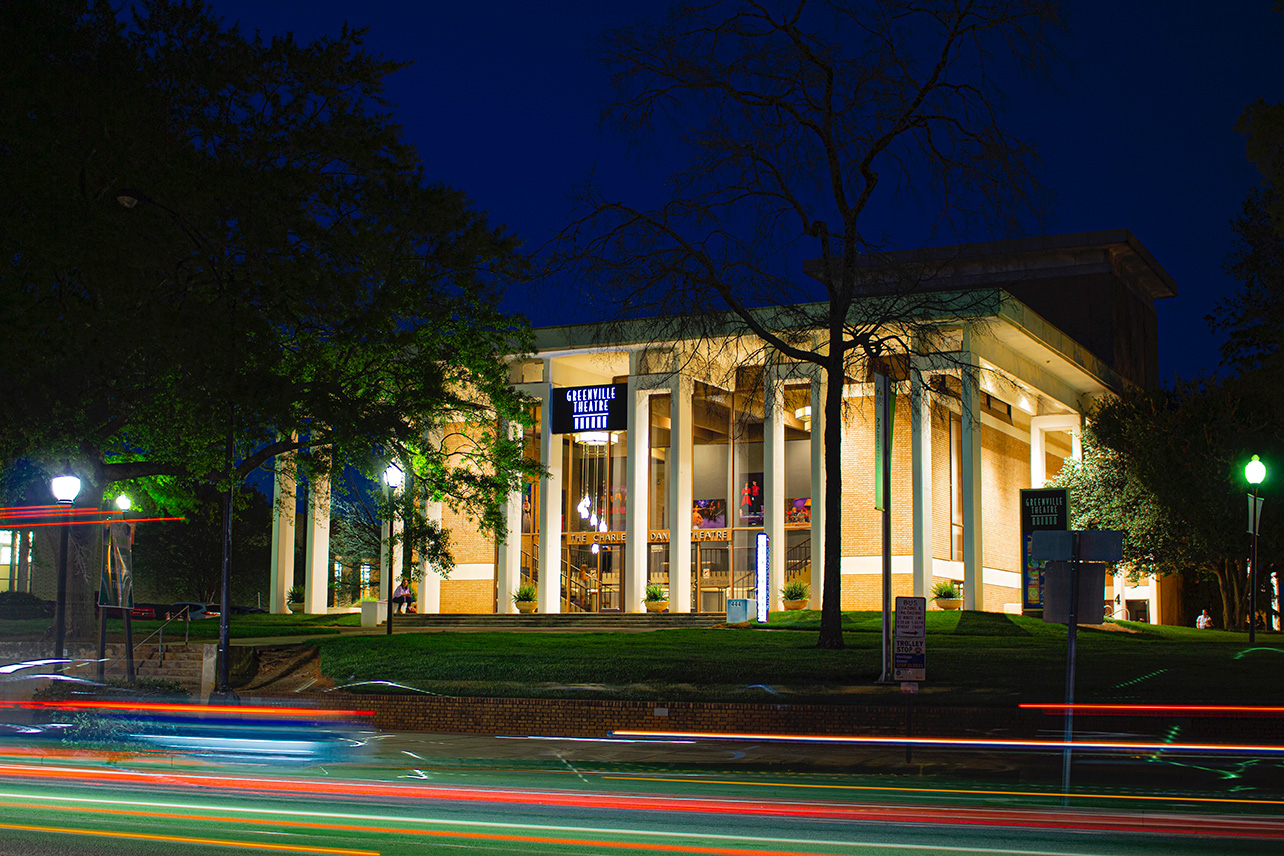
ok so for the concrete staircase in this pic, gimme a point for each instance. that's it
(191, 665)
(569, 622)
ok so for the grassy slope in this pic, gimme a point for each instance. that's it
(972, 658)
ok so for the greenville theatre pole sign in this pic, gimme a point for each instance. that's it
(1042, 509)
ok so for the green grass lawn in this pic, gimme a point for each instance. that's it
(980, 658)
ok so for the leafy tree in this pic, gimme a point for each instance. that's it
(1166, 468)
(176, 561)
(810, 125)
(219, 249)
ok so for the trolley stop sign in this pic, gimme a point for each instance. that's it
(909, 643)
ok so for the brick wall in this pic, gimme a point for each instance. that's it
(862, 523)
(468, 596)
(865, 591)
(940, 483)
(598, 718)
(1005, 470)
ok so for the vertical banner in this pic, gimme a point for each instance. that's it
(116, 586)
(884, 419)
(1041, 509)
(763, 576)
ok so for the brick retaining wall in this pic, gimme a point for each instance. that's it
(599, 718)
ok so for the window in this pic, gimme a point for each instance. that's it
(956, 488)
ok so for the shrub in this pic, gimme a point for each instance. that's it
(654, 593)
(945, 590)
(16, 605)
(19, 598)
(525, 593)
(795, 590)
(294, 595)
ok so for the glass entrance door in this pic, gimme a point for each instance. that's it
(591, 581)
(710, 575)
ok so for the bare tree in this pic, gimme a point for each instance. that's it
(807, 125)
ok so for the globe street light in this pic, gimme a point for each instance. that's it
(392, 477)
(65, 489)
(1255, 474)
(124, 503)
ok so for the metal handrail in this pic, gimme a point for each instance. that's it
(799, 564)
(160, 633)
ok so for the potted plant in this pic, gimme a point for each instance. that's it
(655, 598)
(795, 594)
(524, 598)
(294, 598)
(947, 595)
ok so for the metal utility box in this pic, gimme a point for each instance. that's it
(738, 610)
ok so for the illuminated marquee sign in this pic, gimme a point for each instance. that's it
(589, 408)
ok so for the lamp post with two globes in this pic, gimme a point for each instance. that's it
(392, 477)
(65, 489)
(1255, 474)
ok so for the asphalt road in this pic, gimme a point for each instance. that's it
(461, 794)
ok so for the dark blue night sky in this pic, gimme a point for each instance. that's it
(1135, 128)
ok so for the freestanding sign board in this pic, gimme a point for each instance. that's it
(1041, 509)
(909, 649)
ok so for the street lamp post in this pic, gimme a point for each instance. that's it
(65, 489)
(392, 477)
(1255, 473)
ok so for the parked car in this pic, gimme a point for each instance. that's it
(144, 611)
(193, 610)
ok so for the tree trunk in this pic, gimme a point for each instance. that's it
(831, 615)
(1231, 585)
(84, 560)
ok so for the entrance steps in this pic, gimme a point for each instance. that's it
(190, 665)
(574, 622)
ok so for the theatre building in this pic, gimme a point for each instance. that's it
(666, 459)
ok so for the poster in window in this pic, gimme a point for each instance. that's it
(798, 510)
(708, 514)
(751, 496)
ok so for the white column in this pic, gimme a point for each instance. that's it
(1117, 606)
(550, 505)
(429, 602)
(508, 568)
(970, 478)
(921, 466)
(283, 514)
(637, 505)
(317, 562)
(387, 574)
(818, 387)
(1039, 427)
(773, 477)
(680, 463)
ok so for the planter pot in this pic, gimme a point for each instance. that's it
(526, 607)
(295, 607)
(949, 602)
(656, 605)
(796, 604)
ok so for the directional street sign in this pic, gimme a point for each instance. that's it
(909, 648)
